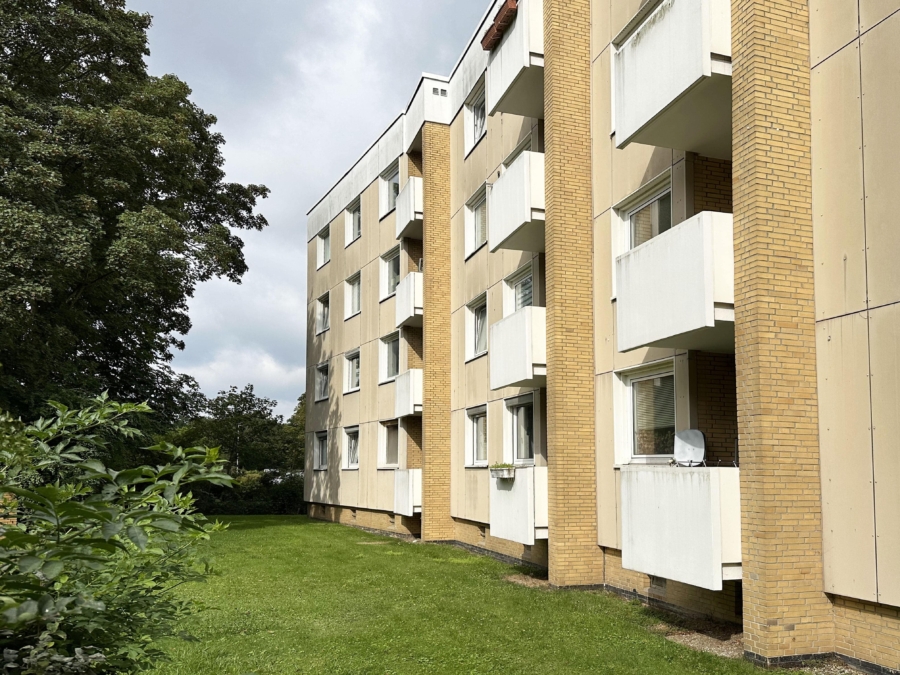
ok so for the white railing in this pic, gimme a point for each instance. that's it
(682, 523)
(515, 71)
(672, 77)
(677, 290)
(519, 507)
(410, 209)
(409, 305)
(518, 349)
(407, 492)
(516, 204)
(408, 393)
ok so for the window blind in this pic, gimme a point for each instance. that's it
(654, 415)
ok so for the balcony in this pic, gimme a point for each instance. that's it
(672, 77)
(519, 506)
(408, 393)
(516, 205)
(515, 70)
(409, 209)
(677, 290)
(519, 349)
(407, 492)
(682, 523)
(409, 302)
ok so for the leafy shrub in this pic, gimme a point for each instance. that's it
(255, 493)
(87, 572)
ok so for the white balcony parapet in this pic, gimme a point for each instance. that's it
(410, 209)
(516, 205)
(677, 290)
(409, 304)
(408, 393)
(682, 523)
(519, 507)
(672, 77)
(515, 71)
(407, 492)
(519, 349)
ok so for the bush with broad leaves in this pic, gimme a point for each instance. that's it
(89, 557)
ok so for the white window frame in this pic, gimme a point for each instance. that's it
(620, 225)
(480, 197)
(385, 206)
(382, 444)
(623, 402)
(349, 387)
(323, 250)
(509, 450)
(383, 348)
(347, 465)
(348, 295)
(471, 307)
(509, 287)
(471, 432)
(320, 368)
(321, 440)
(349, 235)
(323, 325)
(384, 275)
(476, 98)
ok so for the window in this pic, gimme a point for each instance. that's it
(476, 117)
(351, 382)
(653, 406)
(390, 273)
(322, 382)
(521, 416)
(477, 443)
(390, 444)
(390, 189)
(323, 247)
(476, 218)
(353, 222)
(650, 219)
(320, 457)
(352, 296)
(390, 357)
(351, 435)
(477, 329)
(323, 311)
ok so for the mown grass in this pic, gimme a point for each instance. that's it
(299, 596)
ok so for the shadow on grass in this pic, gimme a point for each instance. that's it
(241, 523)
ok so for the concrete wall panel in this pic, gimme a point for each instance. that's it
(832, 25)
(872, 12)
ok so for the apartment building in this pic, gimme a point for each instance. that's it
(617, 231)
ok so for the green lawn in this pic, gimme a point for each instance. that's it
(300, 596)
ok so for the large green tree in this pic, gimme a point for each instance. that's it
(113, 207)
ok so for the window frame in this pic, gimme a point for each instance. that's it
(510, 437)
(475, 201)
(345, 453)
(509, 287)
(385, 195)
(318, 464)
(472, 415)
(350, 234)
(323, 249)
(384, 346)
(477, 98)
(320, 368)
(472, 308)
(386, 261)
(349, 388)
(640, 206)
(383, 426)
(624, 409)
(348, 295)
(323, 309)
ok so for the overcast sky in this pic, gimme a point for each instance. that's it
(301, 88)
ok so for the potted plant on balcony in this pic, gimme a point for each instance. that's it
(503, 471)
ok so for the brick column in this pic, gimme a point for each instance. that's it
(574, 556)
(436, 521)
(786, 613)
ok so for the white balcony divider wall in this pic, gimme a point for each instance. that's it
(682, 523)
(521, 359)
(410, 301)
(519, 507)
(672, 77)
(407, 491)
(410, 209)
(516, 205)
(408, 393)
(515, 72)
(677, 289)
